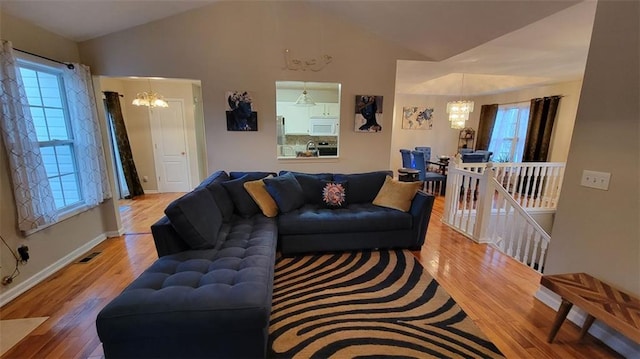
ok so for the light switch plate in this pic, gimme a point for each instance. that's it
(595, 179)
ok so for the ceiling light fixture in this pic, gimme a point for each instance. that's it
(305, 99)
(150, 99)
(459, 110)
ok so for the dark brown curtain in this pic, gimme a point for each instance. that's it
(485, 127)
(542, 116)
(114, 112)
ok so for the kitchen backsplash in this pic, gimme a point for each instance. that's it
(301, 140)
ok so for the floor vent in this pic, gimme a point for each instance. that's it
(89, 257)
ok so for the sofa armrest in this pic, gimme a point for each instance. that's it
(420, 210)
(166, 238)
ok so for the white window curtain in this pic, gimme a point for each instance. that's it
(87, 135)
(32, 193)
(509, 132)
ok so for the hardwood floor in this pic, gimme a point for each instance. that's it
(495, 291)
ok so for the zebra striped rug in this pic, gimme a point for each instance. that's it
(367, 304)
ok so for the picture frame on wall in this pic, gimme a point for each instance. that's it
(240, 115)
(368, 113)
(417, 118)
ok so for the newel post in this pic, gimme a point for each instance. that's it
(483, 209)
(450, 193)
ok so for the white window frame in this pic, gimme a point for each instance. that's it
(36, 64)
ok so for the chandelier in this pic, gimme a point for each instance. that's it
(150, 99)
(459, 113)
(459, 110)
(305, 99)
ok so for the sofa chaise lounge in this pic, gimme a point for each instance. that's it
(209, 293)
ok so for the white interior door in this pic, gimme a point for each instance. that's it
(170, 147)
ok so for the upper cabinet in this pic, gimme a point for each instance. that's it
(326, 109)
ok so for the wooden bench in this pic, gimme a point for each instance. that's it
(619, 310)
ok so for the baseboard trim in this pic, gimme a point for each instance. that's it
(50, 270)
(112, 234)
(610, 337)
(151, 191)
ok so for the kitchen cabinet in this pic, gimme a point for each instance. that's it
(328, 109)
(296, 118)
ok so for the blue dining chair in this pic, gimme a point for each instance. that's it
(431, 179)
(427, 152)
(407, 158)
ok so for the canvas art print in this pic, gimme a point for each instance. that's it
(417, 118)
(368, 113)
(240, 116)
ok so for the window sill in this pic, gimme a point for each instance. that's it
(64, 215)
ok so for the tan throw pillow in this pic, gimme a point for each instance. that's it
(263, 199)
(397, 195)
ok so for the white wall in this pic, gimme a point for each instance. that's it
(240, 46)
(597, 231)
(55, 246)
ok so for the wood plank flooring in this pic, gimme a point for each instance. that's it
(496, 291)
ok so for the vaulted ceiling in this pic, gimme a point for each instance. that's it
(497, 45)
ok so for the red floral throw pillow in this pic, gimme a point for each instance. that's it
(334, 194)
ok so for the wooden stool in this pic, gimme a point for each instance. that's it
(618, 309)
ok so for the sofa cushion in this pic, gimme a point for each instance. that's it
(397, 195)
(196, 218)
(286, 191)
(363, 187)
(223, 200)
(334, 194)
(243, 203)
(263, 199)
(215, 177)
(311, 184)
(253, 174)
(360, 217)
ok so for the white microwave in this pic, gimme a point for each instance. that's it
(323, 126)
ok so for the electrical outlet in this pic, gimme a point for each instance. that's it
(23, 251)
(595, 179)
(145, 178)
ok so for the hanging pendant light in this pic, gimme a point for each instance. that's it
(459, 110)
(150, 99)
(305, 99)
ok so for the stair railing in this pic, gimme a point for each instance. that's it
(489, 203)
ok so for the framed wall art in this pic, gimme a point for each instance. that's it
(417, 118)
(368, 114)
(240, 116)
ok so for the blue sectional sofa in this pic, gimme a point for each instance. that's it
(209, 293)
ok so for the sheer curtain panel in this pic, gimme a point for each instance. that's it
(87, 135)
(32, 192)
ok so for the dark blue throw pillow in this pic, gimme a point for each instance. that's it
(244, 204)
(286, 191)
(311, 184)
(334, 194)
(196, 218)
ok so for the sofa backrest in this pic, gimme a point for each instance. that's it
(363, 187)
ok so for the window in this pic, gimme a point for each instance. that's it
(509, 132)
(44, 88)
